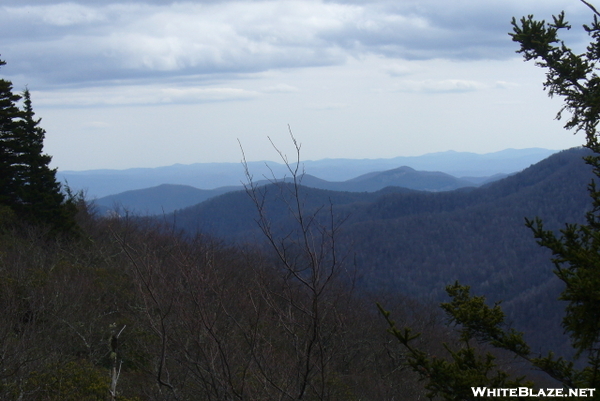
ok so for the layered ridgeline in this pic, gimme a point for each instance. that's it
(101, 183)
(180, 184)
(417, 242)
(167, 198)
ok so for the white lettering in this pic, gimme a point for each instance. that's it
(478, 391)
(528, 392)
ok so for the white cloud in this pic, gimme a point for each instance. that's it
(397, 70)
(140, 95)
(280, 88)
(506, 85)
(96, 125)
(439, 86)
(326, 106)
(61, 15)
(195, 95)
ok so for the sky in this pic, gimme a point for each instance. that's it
(153, 83)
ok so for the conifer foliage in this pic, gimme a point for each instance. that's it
(28, 186)
(575, 249)
(9, 118)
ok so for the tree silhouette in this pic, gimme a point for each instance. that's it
(27, 184)
(575, 250)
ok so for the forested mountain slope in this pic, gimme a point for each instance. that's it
(157, 200)
(421, 242)
(167, 198)
(552, 187)
(232, 215)
(418, 242)
(404, 176)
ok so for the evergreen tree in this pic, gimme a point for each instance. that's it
(576, 250)
(27, 184)
(10, 117)
(39, 194)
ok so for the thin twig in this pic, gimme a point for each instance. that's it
(592, 7)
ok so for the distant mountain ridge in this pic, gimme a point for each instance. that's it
(395, 202)
(408, 177)
(100, 183)
(417, 242)
(167, 198)
(164, 198)
(458, 164)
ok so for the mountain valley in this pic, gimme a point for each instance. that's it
(417, 242)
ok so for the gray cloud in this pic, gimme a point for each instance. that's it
(95, 43)
(459, 30)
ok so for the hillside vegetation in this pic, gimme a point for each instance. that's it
(269, 293)
(128, 309)
(131, 308)
(415, 243)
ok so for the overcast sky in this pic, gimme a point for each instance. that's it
(153, 83)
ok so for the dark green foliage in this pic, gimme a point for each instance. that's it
(575, 250)
(466, 366)
(452, 376)
(568, 75)
(577, 261)
(10, 117)
(27, 184)
(39, 194)
(71, 381)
